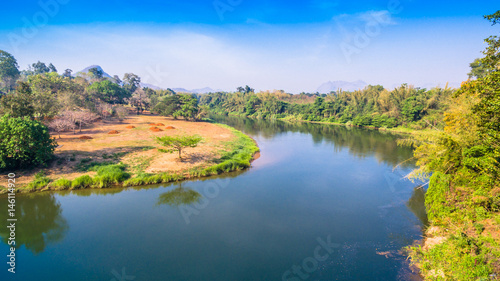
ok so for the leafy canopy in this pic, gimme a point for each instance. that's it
(178, 143)
(24, 143)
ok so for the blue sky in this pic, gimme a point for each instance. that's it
(289, 45)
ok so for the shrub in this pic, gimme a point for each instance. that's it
(24, 143)
(109, 175)
(82, 182)
(40, 181)
(61, 184)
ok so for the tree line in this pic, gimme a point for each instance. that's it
(372, 106)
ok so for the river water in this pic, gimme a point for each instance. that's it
(322, 202)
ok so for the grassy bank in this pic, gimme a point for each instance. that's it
(236, 155)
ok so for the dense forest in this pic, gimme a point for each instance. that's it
(372, 106)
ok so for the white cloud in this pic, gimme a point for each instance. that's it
(294, 58)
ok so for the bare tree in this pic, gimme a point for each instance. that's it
(121, 112)
(84, 118)
(104, 109)
(139, 100)
(60, 125)
(70, 116)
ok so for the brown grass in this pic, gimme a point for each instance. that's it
(85, 138)
(113, 132)
(136, 147)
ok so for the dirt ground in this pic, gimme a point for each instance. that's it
(133, 146)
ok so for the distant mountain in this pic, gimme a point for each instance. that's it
(146, 85)
(330, 86)
(86, 70)
(196, 91)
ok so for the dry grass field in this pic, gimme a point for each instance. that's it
(132, 142)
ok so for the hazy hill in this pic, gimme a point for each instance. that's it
(330, 86)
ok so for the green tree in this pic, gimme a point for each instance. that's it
(96, 73)
(39, 68)
(492, 52)
(24, 143)
(108, 92)
(478, 69)
(131, 82)
(67, 73)
(178, 143)
(9, 71)
(18, 103)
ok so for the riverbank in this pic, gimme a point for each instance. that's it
(462, 241)
(100, 158)
(396, 130)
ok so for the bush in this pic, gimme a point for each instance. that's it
(82, 182)
(109, 175)
(40, 181)
(24, 143)
(61, 184)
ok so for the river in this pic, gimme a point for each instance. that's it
(323, 202)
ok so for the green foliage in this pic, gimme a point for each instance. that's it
(18, 103)
(464, 190)
(40, 181)
(460, 257)
(110, 175)
(178, 105)
(61, 184)
(178, 143)
(9, 71)
(108, 92)
(372, 106)
(81, 182)
(87, 164)
(24, 143)
(238, 157)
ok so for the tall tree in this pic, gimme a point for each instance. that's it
(9, 71)
(67, 73)
(96, 73)
(492, 52)
(131, 82)
(39, 68)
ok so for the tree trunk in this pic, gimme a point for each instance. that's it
(180, 154)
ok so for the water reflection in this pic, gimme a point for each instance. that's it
(359, 142)
(179, 196)
(416, 205)
(39, 221)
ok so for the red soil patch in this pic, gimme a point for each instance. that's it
(160, 124)
(170, 128)
(114, 132)
(130, 127)
(155, 129)
(152, 124)
(85, 138)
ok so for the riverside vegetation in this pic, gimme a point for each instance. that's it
(463, 162)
